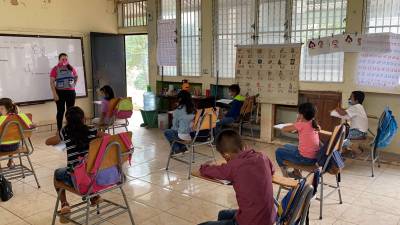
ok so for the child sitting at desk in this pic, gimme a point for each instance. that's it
(235, 106)
(107, 94)
(8, 107)
(307, 151)
(76, 136)
(357, 116)
(250, 172)
(181, 123)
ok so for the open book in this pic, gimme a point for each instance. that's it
(282, 125)
(60, 147)
(225, 101)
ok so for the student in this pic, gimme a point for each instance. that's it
(107, 94)
(8, 107)
(76, 136)
(235, 106)
(357, 116)
(306, 153)
(250, 172)
(181, 123)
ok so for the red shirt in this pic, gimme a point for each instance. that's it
(251, 175)
(53, 73)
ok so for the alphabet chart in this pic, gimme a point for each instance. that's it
(272, 71)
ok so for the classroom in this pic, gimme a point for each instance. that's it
(199, 112)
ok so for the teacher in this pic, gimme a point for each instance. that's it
(63, 78)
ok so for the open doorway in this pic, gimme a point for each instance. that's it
(137, 72)
(137, 67)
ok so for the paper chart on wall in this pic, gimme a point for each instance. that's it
(272, 71)
(166, 44)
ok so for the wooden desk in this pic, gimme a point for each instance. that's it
(279, 180)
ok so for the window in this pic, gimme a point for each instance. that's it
(134, 14)
(277, 23)
(190, 37)
(382, 16)
(234, 26)
(168, 12)
(272, 21)
(313, 19)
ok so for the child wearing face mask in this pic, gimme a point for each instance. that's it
(357, 116)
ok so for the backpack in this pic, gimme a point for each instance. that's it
(6, 192)
(97, 180)
(336, 162)
(124, 109)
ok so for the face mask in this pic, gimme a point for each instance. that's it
(64, 62)
(350, 102)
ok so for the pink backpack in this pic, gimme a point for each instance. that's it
(93, 182)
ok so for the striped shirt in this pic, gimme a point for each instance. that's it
(73, 151)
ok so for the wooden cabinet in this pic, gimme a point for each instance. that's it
(325, 102)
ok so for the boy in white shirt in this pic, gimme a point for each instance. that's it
(357, 116)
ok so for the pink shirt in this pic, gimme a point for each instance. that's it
(308, 139)
(251, 175)
(53, 73)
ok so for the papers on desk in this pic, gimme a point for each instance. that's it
(60, 147)
(224, 182)
(282, 125)
(334, 113)
(97, 102)
(225, 101)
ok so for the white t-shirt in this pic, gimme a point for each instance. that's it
(358, 117)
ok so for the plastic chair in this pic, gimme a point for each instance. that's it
(115, 120)
(246, 114)
(15, 130)
(205, 122)
(335, 144)
(116, 154)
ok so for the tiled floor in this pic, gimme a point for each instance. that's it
(158, 197)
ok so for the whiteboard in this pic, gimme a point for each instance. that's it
(272, 71)
(26, 61)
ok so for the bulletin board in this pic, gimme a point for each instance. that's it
(272, 71)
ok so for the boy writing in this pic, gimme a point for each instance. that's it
(357, 116)
(250, 172)
(234, 112)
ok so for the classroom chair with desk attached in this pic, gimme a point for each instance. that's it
(333, 148)
(120, 110)
(203, 126)
(247, 114)
(386, 130)
(293, 209)
(17, 128)
(105, 154)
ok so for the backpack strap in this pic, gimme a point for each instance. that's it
(100, 154)
(128, 144)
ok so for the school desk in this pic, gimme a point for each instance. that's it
(276, 179)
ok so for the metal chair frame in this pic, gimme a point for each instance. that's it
(107, 207)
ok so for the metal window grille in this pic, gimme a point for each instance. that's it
(313, 19)
(190, 37)
(134, 14)
(272, 19)
(234, 25)
(382, 16)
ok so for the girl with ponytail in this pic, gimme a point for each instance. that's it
(76, 136)
(307, 151)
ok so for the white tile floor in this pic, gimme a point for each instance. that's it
(158, 197)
